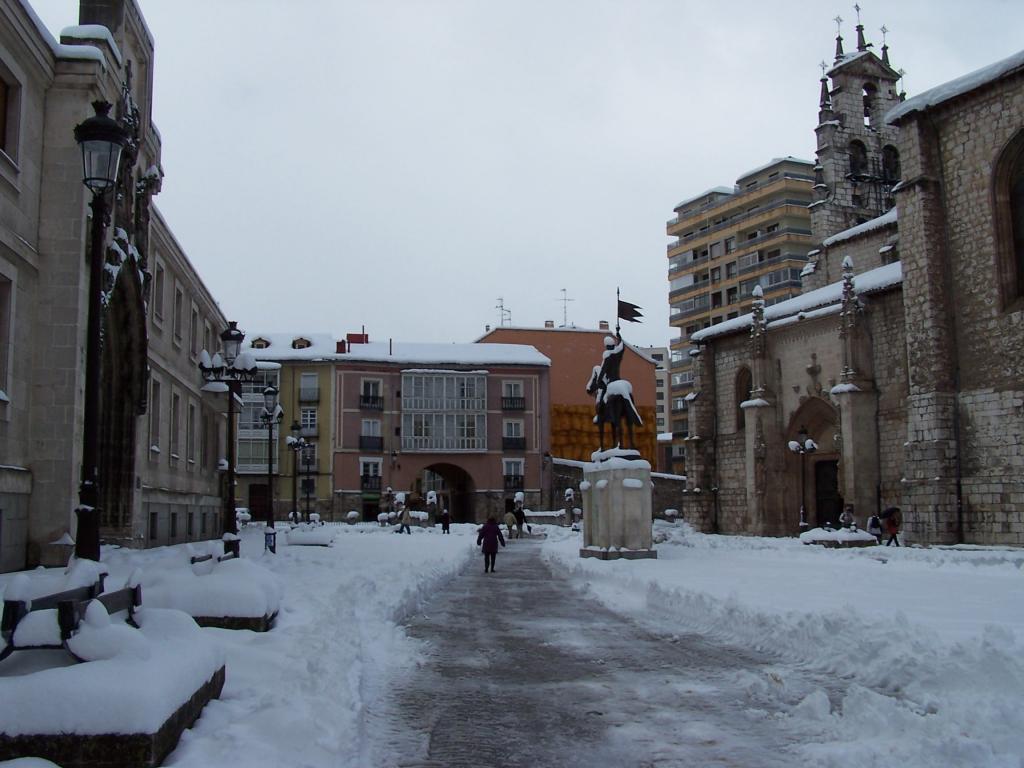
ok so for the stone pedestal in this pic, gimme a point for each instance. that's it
(617, 506)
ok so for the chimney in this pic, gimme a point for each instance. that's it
(487, 329)
(602, 325)
(340, 347)
(549, 323)
(357, 338)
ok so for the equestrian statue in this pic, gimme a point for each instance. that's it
(613, 394)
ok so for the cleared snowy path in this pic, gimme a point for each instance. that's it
(517, 670)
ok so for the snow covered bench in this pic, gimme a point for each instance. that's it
(41, 630)
(50, 621)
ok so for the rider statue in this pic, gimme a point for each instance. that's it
(614, 395)
(608, 371)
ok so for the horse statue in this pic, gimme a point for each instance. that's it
(614, 405)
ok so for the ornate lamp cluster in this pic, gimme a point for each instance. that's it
(224, 372)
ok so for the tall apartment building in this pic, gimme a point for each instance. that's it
(728, 242)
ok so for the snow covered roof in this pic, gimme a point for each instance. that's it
(961, 85)
(323, 347)
(93, 32)
(885, 220)
(705, 193)
(573, 329)
(877, 279)
(61, 51)
(775, 161)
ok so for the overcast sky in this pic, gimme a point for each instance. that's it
(402, 165)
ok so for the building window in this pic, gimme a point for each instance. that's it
(370, 427)
(204, 439)
(174, 524)
(189, 523)
(5, 99)
(179, 310)
(870, 91)
(154, 419)
(175, 425)
(9, 108)
(858, 158)
(309, 388)
(1009, 201)
(730, 269)
(730, 244)
(6, 322)
(190, 435)
(890, 164)
(307, 418)
(158, 293)
(260, 343)
(207, 337)
(153, 526)
(301, 343)
(193, 333)
(743, 384)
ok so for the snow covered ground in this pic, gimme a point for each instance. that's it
(927, 642)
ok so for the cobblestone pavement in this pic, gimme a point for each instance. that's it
(518, 670)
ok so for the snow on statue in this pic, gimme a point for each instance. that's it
(613, 394)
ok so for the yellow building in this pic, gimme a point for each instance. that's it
(728, 241)
(305, 393)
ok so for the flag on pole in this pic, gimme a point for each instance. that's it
(629, 312)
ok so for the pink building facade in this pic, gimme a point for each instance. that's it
(469, 422)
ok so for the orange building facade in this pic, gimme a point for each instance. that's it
(573, 353)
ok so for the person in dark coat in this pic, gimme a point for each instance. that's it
(892, 519)
(446, 521)
(489, 536)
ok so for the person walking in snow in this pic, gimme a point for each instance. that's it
(510, 523)
(446, 521)
(489, 536)
(875, 527)
(520, 515)
(893, 519)
(406, 519)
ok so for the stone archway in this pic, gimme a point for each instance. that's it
(124, 379)
(822, 483)
(457, 495)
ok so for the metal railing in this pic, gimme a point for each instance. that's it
(513, 443)
(371, 443)
(371, 402)
(513, 403)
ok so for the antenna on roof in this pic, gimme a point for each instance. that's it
(503, 313)
(565, 308)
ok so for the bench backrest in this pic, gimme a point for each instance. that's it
(71, 612)
(16, 610)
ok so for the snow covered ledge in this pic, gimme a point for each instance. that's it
(128, 709)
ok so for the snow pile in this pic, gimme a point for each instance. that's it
(137, 685)
(925, 642)
(311, 535)
(839, 536)
(238, 588)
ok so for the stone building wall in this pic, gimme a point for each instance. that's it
(965, 340)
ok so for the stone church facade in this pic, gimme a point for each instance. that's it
(902, 358)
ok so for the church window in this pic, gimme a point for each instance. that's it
(858, 158)
(890, 163)
(1009, 201)
(869, 99)
(743, 384)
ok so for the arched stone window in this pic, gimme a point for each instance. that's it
(870, 91)
(743, 384)
(890, 163)
(1009, 220)
(858, 158)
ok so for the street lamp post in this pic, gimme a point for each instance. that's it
(803, 445)
(271, 415)
(307, 481)
(228, 369)
(101, 140)
(296, 443)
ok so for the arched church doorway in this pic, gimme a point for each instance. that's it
(819, 469)
(454, 488)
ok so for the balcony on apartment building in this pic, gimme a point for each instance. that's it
(369, 482)
(371, 402)
(371, 443)
(785, 182)
(513, 482)
(513, 403)
(513, 443)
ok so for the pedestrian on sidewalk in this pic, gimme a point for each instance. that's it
(406, 518)
(875, 528)
(893, 519)
(446, 521)
(489, 536)
(519, 513)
